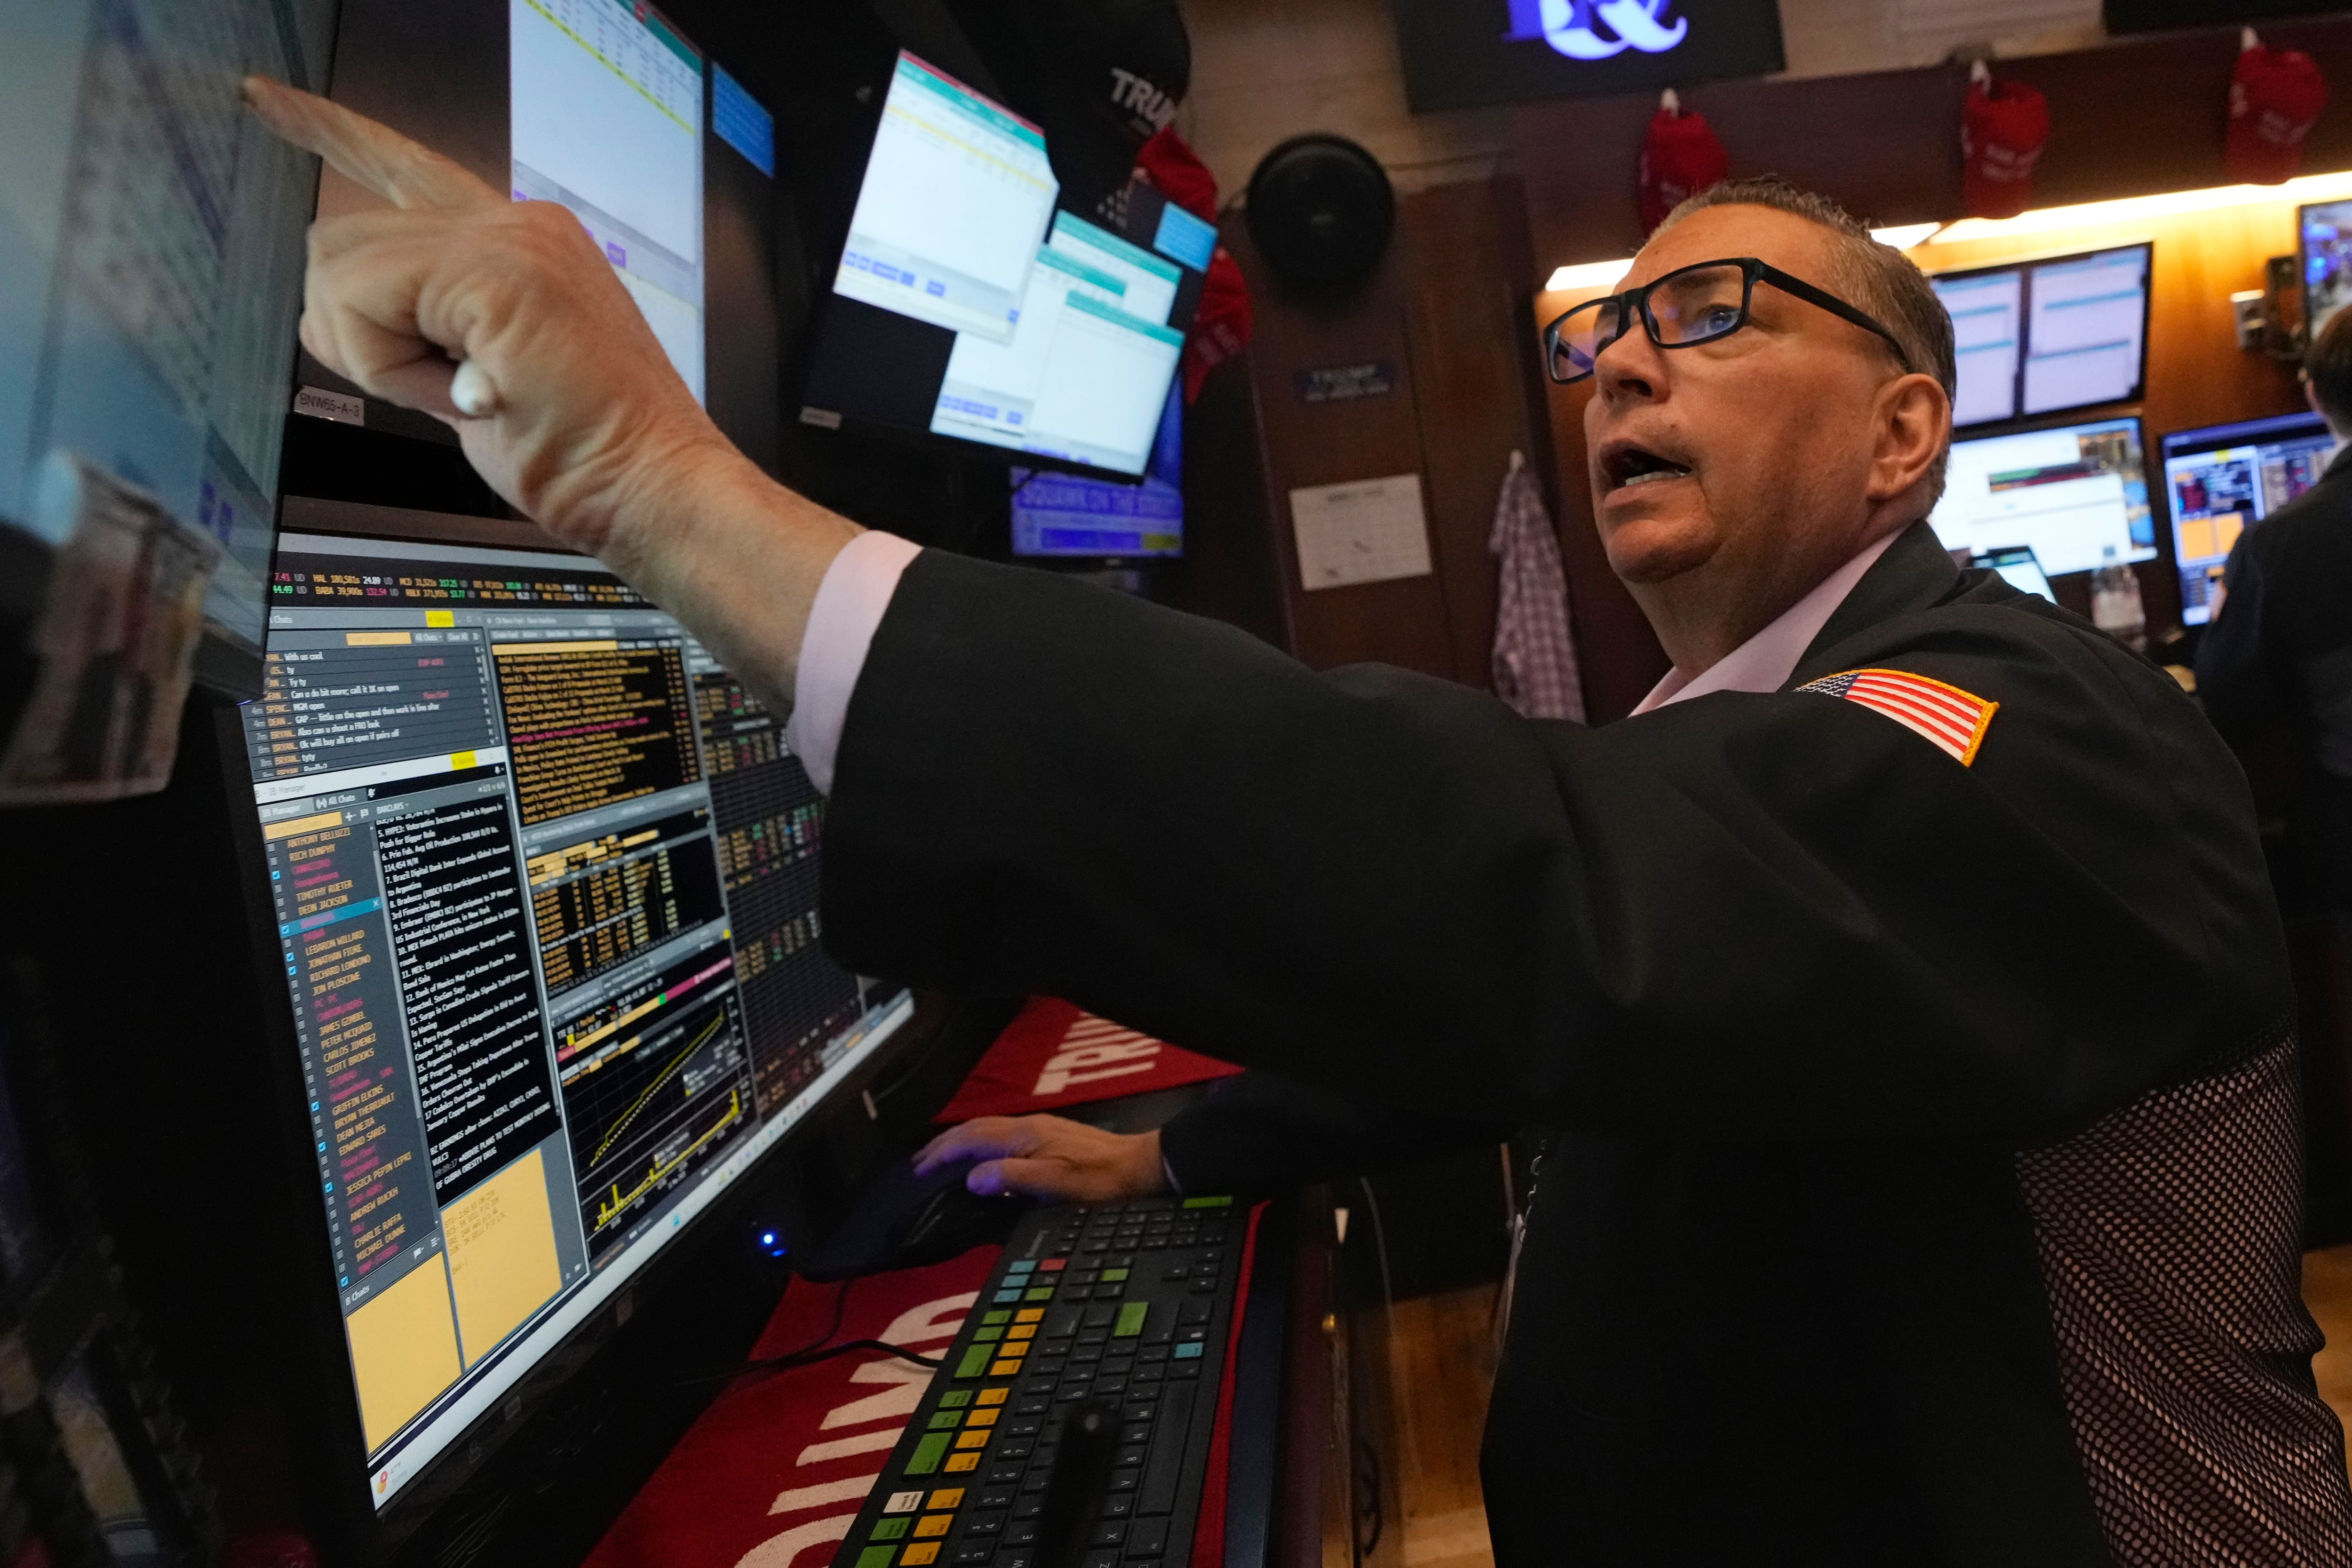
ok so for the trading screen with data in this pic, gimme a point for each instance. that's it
(545, 881)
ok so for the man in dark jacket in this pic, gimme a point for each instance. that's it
(1901, 987)
(2280, 649)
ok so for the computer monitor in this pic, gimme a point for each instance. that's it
(150, 238)
(2085, 331)
(2224, 478)
(966, 308)
(2043, 336)
(2323, 246)
(605, 117)
(2018, 567)
(1071, 515)
(1987, 307)
(2069, 492)
(545, 879)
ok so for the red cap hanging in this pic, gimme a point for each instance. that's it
(1681, 156)
(2276, 95)
(1221, 327)
(2003, 127)
(1169, 166)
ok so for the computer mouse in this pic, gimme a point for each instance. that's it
(903, 1220)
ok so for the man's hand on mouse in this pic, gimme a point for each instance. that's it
(1049, 1157)
(584, 424)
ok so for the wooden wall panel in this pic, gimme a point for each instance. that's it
(1443, 313)
(2126, 119)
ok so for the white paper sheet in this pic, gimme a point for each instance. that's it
(1366, 530)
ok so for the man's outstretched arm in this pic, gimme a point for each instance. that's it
(586, 428)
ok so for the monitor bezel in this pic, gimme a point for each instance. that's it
(2163, 546)
(336, 1455)
(2024, 267)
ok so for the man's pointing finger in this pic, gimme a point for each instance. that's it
(371, 155)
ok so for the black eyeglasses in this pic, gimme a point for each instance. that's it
(1693, 304)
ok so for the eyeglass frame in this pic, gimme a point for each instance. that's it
(1636, 302)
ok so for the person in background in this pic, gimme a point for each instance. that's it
(1899, 989)
(2279, 649)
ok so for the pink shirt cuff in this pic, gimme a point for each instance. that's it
(849, 605)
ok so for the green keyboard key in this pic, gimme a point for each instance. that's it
(944, 1421)
(1130, 1320)
(929, 1450)
(955, 1399)
(1209, 1202)
(999, 1316)
(891, 1529)
(876, 1557)
(975, 1363)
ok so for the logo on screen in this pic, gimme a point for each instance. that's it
(1597, 29)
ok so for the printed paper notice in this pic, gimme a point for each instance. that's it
(1366, 530)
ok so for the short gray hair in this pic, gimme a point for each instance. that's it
(1878, 278)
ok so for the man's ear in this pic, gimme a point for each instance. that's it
(1915, 424)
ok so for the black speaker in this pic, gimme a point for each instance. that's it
(1321, 211)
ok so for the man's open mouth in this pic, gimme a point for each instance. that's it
(1629, 466)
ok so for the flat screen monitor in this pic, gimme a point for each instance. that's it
(2068, 492)
(2043, 336)
(967, 308)
(2223, 479)
(545, 885)
(2018, 567)
(150, 241)
(1071, 515)
(2323, 246)
(605, 103)
(1987, 309)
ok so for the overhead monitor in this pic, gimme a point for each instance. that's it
(2323, 246)
(2043, 336)
(967, 309)
(150, 241)
(605, 117)
(1987, 309)
(2085, 331)
(2067, 493)
(1071, 515)
(545, 886)
(2223, 479)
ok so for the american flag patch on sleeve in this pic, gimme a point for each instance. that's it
(1953, 718)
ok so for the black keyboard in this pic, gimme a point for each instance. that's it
(1071, 1420)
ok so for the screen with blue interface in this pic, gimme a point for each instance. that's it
(606, 119)
(2068, 493)
(545, 879)
(2086, 329)
(1988, 327)
(2047, 336)
(151, 269)
(957, 192)
(2324, 239)
(967, 307)
(1075, 515)
(1087, 371)
(2223, 479)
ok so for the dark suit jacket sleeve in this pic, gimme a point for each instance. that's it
(1744, 916)
(2237, 680)
(1259, 1133)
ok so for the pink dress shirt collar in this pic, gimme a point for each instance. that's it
(1765, 661)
